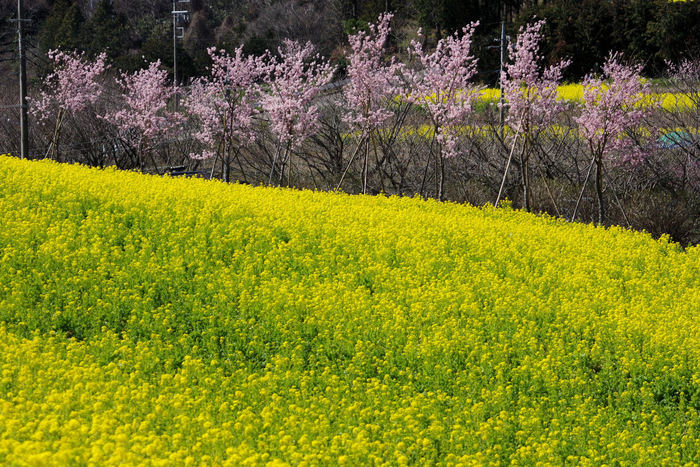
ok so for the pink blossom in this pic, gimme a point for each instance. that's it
(144, 117)
(223, 104)
(612, 108)
(685, 79)
(372, 81)
(687, 71)
(442, 86)
(72, 86)
(531, 95)
(295, 80)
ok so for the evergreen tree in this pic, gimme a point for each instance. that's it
(579, 30)
(49, 36)
(70, 34)
(159, 46)
(106, 31)
(675, 33)
(198, 38)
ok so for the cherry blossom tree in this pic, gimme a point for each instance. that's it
(372, 86)
(531, 96)
(143, 117)
(682, 118)
(295, 79)
(73, 86)
(614, 106)
(441, 85)
(685, 73)
(224, 106)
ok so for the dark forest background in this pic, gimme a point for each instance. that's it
(647, 31)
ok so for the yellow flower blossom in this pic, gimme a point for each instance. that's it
(149, 320)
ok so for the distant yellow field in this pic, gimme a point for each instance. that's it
(574, 93)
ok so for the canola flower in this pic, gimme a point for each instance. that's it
(164, 321)
(574, 93)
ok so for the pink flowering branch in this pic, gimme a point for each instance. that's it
(531, 96)
(143, 117)
(683, 118)
(614, 106)
(69, 89)
(441, 85)
(686, 74)
(372, 86)
(295, 79)
(224, 105)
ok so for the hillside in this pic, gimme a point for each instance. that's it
(648, 31)
(187, 321)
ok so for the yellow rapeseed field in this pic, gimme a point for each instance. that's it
(574, 93)
(162, 321)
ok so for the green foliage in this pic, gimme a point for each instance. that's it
(354, 25)
(647, 31)
(198, 37)
(106, 31)
(53, 27)
(580, 30)
(675, 33)
(69, 35)
(258, 44)
(159, 46)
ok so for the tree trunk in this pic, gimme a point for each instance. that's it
(527, 184)
(352, 158)
(226, 169)
(441, 176)
(278, 149)
(583, 189)
(524, 178)
(142, 159)
(599, 189)
(365, 169)
(427, 166)
(379, 163)
(240, 165)
(53, 144)
(56, 155)
(213, 166)
(505, 172)
(284, 161)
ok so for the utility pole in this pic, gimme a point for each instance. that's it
(178, 33)
(500, 77)
(23, 121)
(175, 53)
(503, 41)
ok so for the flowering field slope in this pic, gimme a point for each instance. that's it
(173, 321)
